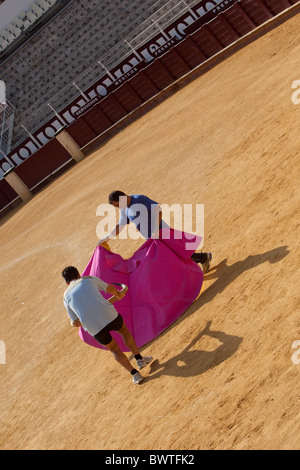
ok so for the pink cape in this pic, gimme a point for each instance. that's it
(162, 279)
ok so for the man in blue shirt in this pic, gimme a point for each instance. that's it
(146, 215)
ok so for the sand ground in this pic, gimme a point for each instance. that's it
(223, 377)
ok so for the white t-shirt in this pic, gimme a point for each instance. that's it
(84, 302)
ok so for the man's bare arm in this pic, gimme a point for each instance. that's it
(114, 233)
(116, 294)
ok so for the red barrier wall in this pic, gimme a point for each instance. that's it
(206, 41)
(127, 97)
(112, 109)
(81, 131)
(256, 10)
(158, 74)
(276, 6)
(175, 64)
(191, 53)
(97, 120)
(42, 164)
(7, 194)
(143, 86)
(221, 29)
(239, 20)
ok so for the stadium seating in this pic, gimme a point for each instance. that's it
(72, 43)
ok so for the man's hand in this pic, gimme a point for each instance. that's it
(113, 234)
(76, 323)
(105, 245)
(103, 240)
(117, 294)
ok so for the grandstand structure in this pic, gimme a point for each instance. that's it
(87, 65)
(52, 52)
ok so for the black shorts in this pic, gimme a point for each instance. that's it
(104, 337)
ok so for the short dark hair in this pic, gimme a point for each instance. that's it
(114, 196)
(70, 273)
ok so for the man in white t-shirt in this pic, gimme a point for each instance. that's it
(88, 309)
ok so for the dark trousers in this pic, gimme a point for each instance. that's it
(199, 257)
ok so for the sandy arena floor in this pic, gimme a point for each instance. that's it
(223, 377)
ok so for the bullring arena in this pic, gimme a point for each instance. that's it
(226, 373)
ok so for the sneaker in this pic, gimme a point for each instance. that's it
(206, 264)
(144, 361)
(137, 378)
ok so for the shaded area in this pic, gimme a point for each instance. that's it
(190, 363)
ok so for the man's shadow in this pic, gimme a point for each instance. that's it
(196, 362)
(225, 274)
(190, 363)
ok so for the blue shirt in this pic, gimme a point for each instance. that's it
(143, 212)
